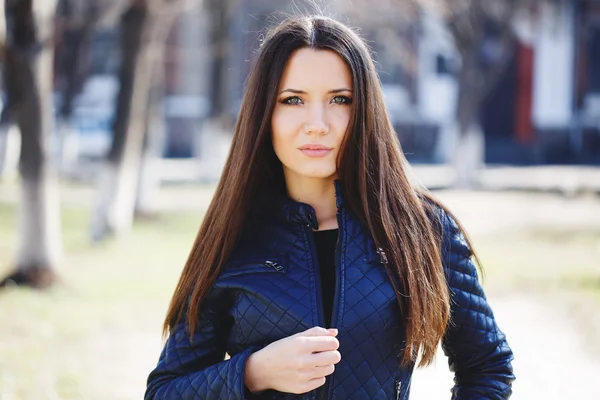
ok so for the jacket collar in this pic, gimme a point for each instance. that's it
(295, 212)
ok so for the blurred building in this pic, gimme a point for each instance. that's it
(545, 108)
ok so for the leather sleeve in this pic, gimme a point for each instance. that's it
(477, 350)
(195, 368)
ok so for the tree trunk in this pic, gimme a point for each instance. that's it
(470, 146)
(115, 205)
(219, 124)
(219, 43)
(2, 27)
(79, 24)
(10, 142)
(67, 154)
(29, 67)
(149, 180)
(113, 213)
(485, 52)
(10, 148)
(74, 41)
(3, 150)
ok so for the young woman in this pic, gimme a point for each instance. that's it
(319, 268)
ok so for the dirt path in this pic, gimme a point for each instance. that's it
(551, 358)
(551, 361)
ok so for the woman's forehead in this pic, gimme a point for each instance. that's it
(315, 70)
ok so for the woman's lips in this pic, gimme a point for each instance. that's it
(316, 150)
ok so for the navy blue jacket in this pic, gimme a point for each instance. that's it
(270, 289)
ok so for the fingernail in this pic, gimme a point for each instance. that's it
(333, 330)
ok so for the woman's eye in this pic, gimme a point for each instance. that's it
(293, 100)
(341, 100)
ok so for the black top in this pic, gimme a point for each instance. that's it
(326, 242)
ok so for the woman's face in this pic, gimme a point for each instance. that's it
(311, 114)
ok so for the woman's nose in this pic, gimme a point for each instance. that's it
(316, 122)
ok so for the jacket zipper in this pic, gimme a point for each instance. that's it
(319, 295)
(398, 389)
(317, 274)
(336, 294)
(338, 271)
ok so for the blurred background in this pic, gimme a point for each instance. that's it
(117, 117)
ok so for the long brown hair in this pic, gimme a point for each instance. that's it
(371, 167)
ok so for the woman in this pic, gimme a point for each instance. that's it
(319, 268)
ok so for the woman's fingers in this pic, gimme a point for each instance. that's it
(324, 358)
(315, 344)
(298, 363)
(318, 331)
(312, 384)
(320, 372)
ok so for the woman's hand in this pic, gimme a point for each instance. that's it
(295, 364)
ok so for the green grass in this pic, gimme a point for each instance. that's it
(558, 265)
(96, 335)
(542, 258)
(102, 319)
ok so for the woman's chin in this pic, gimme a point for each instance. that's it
(319, 175)
(325, 172)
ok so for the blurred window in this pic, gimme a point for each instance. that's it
(442, 65)
(594, 60)
(104, 52)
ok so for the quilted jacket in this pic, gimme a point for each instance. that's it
(270, 289)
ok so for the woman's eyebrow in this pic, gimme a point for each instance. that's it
(296, 91)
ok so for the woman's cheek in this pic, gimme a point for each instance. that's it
(341, 115)
(281, 120)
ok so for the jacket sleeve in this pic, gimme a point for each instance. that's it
(190, 369)
(477, 350)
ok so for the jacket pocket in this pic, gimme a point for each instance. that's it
(375, 255)
(260, 265)
(402, 385)
(398, 389)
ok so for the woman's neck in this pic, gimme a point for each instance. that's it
(320, 194)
